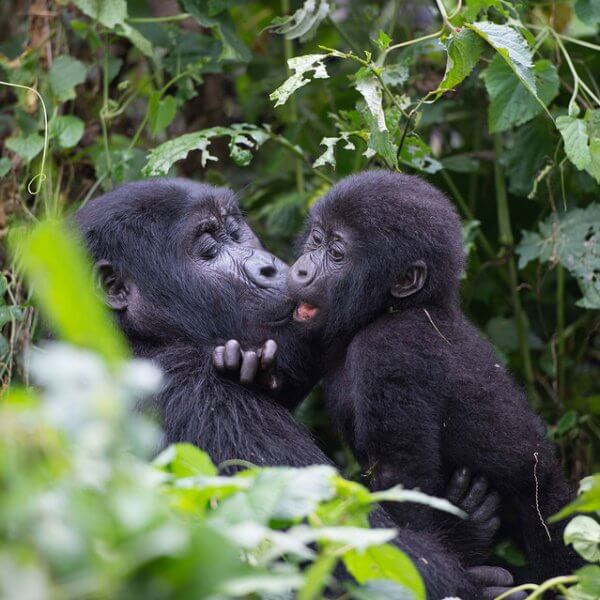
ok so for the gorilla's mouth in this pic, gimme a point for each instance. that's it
(305, 312)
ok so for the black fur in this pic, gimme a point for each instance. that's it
(183, 307)
(409, 381)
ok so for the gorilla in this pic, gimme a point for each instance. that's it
(409, 382)
(183, 272)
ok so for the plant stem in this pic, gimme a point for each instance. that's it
(560, 335)
(293, 107)
(297, 152)
(166, 19)
(507, 240)
(104, 109)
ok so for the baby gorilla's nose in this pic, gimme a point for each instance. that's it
(302, 272)
(265, 270)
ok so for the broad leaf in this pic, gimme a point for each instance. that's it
(588, 11)
(26, 147)
(573, 240)
(161, 111)
(464, 50)
(370, 89)
(512, 47)
(304, 22)
(244, 139)
(588, 499)
(582, 141)
(511, 103)
(385, 562)
(65, 74)
(68, 129)
(584, 534)
(328, 157)
(300, 66)
(416, 153)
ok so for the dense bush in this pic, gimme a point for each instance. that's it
(494, 101)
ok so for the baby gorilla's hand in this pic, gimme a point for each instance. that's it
(247, 366)
(494, 581)
(473, 536)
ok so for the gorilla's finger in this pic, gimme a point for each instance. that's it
(458, 485)
(219, 358)
(491, 527)
(487, 508)
(493, 592)
(233, 355)
(491, 576)
(475, 494)
(249, 367)
(267, 359)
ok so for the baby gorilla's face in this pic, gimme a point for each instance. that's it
(316, 278)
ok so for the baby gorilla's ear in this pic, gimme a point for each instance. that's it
(116, 290)
(412, 281)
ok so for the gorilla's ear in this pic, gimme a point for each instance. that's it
(412, 281)
(116, 290)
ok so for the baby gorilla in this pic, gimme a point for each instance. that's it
(409, 382)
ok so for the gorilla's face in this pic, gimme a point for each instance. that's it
(177, 260)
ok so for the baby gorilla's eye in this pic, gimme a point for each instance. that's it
(317, 238)
(233, 229)
(207, 246)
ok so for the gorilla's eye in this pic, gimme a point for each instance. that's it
(207, 246)
(336, 253)
(317, 238)
(233, 229)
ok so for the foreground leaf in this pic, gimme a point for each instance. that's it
(582, 141)
(464, 50)
(584, 534)
(385, 562)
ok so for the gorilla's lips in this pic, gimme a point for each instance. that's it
(305, 311)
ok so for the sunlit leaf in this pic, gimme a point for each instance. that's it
(584, 534)
(304, 22)
(300, 66)
(464, 50)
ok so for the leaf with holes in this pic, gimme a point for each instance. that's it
(370, 89)
(571, 239)
(328, 157)
(582, 141)
(301, 66)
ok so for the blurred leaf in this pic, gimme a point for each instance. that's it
(511, 103)
(385, 562)
(584, 534)
(5, 165)
(464, 49)
(582, 141)
(370, 89)
(588, 499)
(460, 164)
(26, 147)
(161, 111)
(399, 494)
(8, 313)
(502, 331)
(588, 11)
(61, 277)
(510, 553)
(381, 590)
(65, 74)
(304, 22)
(185, 460)
(300, 65)
(232, 48)
(67, 128)
(416, 153)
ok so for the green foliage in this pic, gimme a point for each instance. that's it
(496, 103)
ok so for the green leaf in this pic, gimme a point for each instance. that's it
(67, 128)
(8, 313)
(244, 139)
(512, 47)
(587, 501)
(416, 153)
(26, 147)
(328, 157)
(588, 11)
(60, 275)
(185, 460)
(582, 141)
(584, 534)
(385, 562)
(161, 111)
(460, 163)
(380, 142)
(370, 89)
(383, 40)
(304, 22)
(300, 66)
(475, 8)
(65, 74)
(232, 47)
(464, 50)
(511, 103)
(399, 494)
(573, 240)
(5, 165)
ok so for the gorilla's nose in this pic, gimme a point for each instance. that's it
(302, 272)
(265, 270)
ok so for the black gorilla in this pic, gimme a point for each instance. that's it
(183, 272)
(410, 383)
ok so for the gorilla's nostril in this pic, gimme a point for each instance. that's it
(269, 271)
(302, 273)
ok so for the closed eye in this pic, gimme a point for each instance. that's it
(207, 246)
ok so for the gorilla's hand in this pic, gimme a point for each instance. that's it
(494, 581)
(254, 366)
(472, 537)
